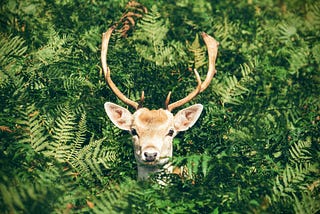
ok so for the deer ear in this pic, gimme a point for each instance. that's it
(187, 117)
(119, 116)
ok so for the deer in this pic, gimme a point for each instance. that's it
(153, 131)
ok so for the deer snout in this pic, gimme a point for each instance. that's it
(150, 156)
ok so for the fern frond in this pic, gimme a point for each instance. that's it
(307, 204)
(316, 52)
(94, 157)
(225, 31)
(63, 134)
(79, 139)
(287, 32)
(11, 48)
(54, 50)
(313, 14)
(292, 179)
(33, 128)
(247, 69)
(73, 82)
(18, 196)
(298, 58)
(150, 40)
(11, 198)
(299, 151)
(199, 53)
(283, 185)
(134, 10)
(192, 165)
(153, 26)
(117, 199)
(231, 89)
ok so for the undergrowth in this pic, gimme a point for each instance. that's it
(255, 149)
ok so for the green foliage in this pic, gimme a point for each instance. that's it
(293, 174)
(11, 47)
(199, 53)
(34, 132)
(255, 149)
(231, 89)
(150, 40)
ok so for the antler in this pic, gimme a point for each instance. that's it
(212, 46)
(105, 41)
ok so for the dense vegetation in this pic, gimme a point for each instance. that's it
(255, 149)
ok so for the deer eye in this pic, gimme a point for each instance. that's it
(171, 132)
(134, 132)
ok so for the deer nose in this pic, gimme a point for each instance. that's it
(150, 156)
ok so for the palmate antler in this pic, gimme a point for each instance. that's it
(212, 46)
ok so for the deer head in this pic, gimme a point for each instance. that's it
(153, 130)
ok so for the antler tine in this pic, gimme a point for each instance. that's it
(212, 46)
(190, 96)
(104, 50)
(141, 100)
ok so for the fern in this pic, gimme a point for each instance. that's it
(255, 148)
(63, 134)
(292, 179)
(17, 197)
(118, 198)
(316, 52)
(298, 59)
(313, 14)
(299, 152)
(70, 146)
(55, 50)
(150, 40)
(191, 165)
(78, 140)
(225, 30)
(93, 158)
(231, 89)
(33, 129)
(11, 48)
(73, 82)
(307, 204)
(287, 31)
(198, 52)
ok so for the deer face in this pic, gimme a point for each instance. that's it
(153, 130)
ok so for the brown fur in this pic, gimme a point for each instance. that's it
(154, 117)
